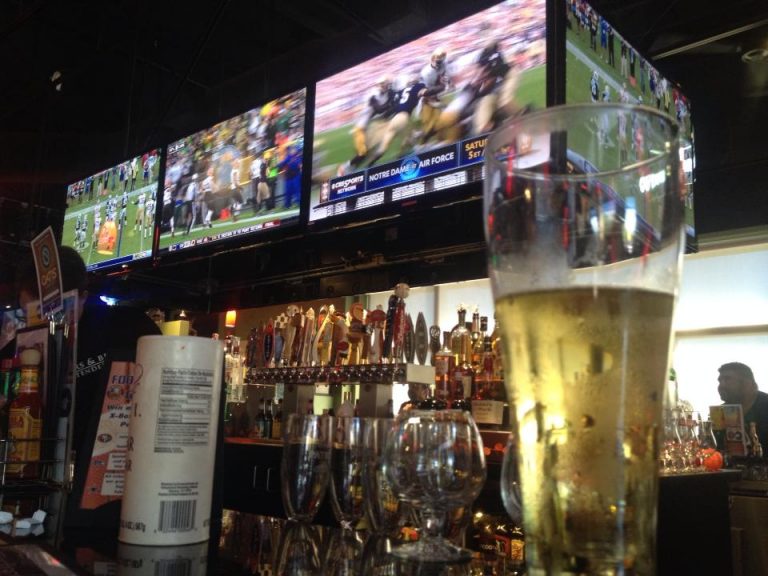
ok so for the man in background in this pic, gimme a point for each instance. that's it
(736, 385)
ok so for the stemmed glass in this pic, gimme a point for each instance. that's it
(299, 549)
(305, 465)
(671, 453)
(384, 510)
(347, 463)
(435, 460)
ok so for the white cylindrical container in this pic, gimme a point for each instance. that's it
(172, 444)
(189, 560)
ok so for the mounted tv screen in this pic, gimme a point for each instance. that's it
(413, 122)
(601, 66)
(110, 216)
(240, 177)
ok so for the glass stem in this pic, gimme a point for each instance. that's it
(433, 522)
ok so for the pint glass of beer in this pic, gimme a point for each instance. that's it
(584, 222)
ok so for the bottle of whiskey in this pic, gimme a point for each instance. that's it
(476, 337)
(268, 419)
(487, 407)
(462, 385)
(478, 346)
(277, 421)
(445, 365)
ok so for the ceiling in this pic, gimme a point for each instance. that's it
(87, 83)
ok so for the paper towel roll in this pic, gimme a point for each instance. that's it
(172, 443)
(189, 560)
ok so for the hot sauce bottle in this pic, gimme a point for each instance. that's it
(25, 421)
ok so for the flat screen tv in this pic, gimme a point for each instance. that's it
(602, 66)
(110, 216)
(406, 126)
(241, 177)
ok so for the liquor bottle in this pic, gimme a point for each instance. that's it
(345, 409)
(26, 418)
(238, 378)
(516, 565)
(268, 419)
(228, 367)
(258, 421)
(277, 421)
(9, 373)
(461, 337)
(230, 422)
(483, 543)
(498, 350)
(250, 349)
(478, 346)
(445, 364)
(487, 407)
(756, 450)
(432, 402)
(243, 422)
(462, 379)
(476, 338)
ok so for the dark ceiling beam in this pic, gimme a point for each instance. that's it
(691, 45)
(202, 44)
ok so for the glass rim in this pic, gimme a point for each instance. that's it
(495, 140)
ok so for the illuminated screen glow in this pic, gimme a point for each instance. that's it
(239, 177)
(110, 216)
(414, 121)
(602, 66)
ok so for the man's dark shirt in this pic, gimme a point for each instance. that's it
(758, 414)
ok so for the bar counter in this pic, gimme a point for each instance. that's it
(693, 538)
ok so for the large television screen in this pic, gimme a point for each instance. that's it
(239, 177)
(601, 66)
(413, 122)
(110, 216)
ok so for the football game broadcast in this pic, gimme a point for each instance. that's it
(601, 66)
(415, 120)
(239, 177)
(110, 216)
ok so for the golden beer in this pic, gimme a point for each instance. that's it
(585, 370)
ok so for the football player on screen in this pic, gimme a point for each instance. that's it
(434, 76)
(400, 122)
(594, 88)
(379, 107)
(96, 224)
(141, 201)
(483, 101)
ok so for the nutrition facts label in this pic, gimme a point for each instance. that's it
(184, 409)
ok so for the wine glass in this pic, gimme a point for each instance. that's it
(344, 554)
(384, 510)
(583, 210)
(347, 463)
(435, 460)
(305, 465)
(510, 484)
(299, 549)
